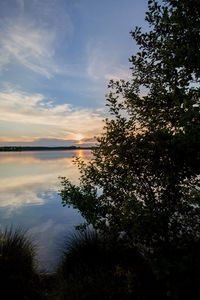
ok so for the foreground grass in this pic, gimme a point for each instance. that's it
(91, 267)
(95, 267)
(19, 277)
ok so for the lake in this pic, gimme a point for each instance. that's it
(28, 198)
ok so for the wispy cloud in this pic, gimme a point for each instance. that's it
(104, 65)
(31, 39)
(29, 46)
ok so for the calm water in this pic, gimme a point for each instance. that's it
(28, 197)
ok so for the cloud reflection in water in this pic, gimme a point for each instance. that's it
(28, 196)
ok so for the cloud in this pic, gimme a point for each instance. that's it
(104, 65)
(65, 120)
(32, 38)
(31, 47)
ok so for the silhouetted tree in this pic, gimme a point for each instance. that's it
(143, 179)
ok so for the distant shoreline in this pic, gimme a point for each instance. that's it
(38, 148)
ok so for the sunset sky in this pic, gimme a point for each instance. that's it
(56, 59)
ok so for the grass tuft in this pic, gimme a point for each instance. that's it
(18, 275)
(96, 267)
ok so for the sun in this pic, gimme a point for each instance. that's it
(78, 137)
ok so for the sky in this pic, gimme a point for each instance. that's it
(56, 60)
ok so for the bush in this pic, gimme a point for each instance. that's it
(177, 268)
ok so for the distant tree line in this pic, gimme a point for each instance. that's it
(40, 148)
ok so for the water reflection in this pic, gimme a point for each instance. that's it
(28, 196)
